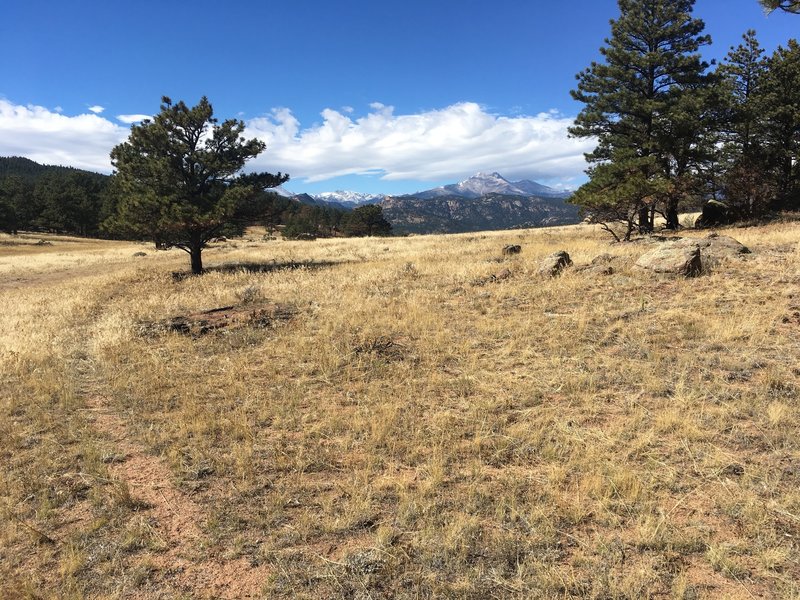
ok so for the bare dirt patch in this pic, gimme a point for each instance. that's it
(178, 520)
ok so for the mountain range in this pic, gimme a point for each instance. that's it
(457, 214)
(484, 201)
(477, 186)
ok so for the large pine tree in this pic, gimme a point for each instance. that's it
(179, 177)
(645, 104)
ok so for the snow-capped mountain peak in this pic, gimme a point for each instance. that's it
(494, 175)
(347, 197)
(484, 183)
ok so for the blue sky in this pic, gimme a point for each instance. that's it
(370, 96)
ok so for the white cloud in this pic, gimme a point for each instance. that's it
(82, 141)
(97, 109)
(132, 118)
(446, 144)
(436, 145)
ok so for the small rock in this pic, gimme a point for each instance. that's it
(599, 265)
(602, 259)
(595, 269)
(501, 275)
(137, 254)
(734, 470)
(113, 457)
(554, 264)
(791, 319)
(511, 249)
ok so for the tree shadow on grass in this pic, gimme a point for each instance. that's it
(259, 267)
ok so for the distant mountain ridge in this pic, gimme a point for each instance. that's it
(345, 197)
(483, 184)
(477, 186)
(482, 202)
(459, 214)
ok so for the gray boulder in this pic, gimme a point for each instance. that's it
(511, 249)
(714, 213)
(689, 256)
(672, 258)
(715, 248)
(554, 264)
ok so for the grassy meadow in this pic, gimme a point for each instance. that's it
(408, 433)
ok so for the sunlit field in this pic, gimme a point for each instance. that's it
(411, 428)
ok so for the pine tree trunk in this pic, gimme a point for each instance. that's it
(644, 220)
(672, 216)
(195, 250)
(197, 261)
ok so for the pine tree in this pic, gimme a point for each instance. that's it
(741, 73)
(779, 106)
(638, 106)
(13, 194)
(179, 180)
(367, 220)
(739, 79)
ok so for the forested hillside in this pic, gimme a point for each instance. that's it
(35, 197)
(52, 198)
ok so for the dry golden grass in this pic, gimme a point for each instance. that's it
(409, 434)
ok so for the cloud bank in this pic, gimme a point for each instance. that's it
(435, 145)
(50, 137)
(446, 144)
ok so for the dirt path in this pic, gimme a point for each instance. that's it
(179, 520)
(57, 275)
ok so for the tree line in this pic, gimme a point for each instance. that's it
(53, 199)
(672, 133)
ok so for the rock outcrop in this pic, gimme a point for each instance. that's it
(690, 256)
(715, 248)
(672, 259)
